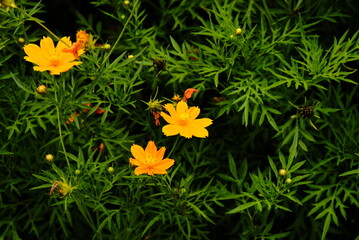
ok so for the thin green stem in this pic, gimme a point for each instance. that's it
(42, 25)
(60, 132)
(101, 67)
(174, 146)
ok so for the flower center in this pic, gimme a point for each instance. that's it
(54, 56)
(184, 118)
(150, 159)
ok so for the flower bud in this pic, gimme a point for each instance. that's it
(126, 2)
(49, 158)
(110, 170)
(107, 46)
(77, 171)
(282, 172)
(41, 89)
(21, 40)
(238, 31)
(130, 56)
(288, 181)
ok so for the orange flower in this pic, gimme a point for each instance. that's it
(50, 58)
(183, 121)
(150, 160)
(82, 39)
(100, 111)
(188, 93)
(72, 118)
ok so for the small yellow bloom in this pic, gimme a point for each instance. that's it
(238, 31)
(182, 120)
(150, 160)
(50, 58)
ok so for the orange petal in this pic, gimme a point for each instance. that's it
(151, 149)
(138, 152)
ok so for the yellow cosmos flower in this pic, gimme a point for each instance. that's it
(50, 58)
(150, 160)
(183, 121)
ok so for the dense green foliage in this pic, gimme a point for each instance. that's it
(278, 78)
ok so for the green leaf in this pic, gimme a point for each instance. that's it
(200, 212)
(232, 166)
(242, 207)
(327, 222)
(21, 85)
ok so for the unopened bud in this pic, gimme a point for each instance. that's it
(107, 46)
(282, 172)
(288, 181)
(110, 170)
(49, 157)
(41, 89)
(238, 31)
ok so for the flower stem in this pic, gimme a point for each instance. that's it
(101, 68)
(60, 131)
(174, 146)
(42, 25)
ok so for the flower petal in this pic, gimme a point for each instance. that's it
(193, 112)
(136, 162)
(47, 44)
(138, 152)
(202, 122)
(159, 154)
(171, 109)
(151, 149)
(165, 164)
(171, 129)
(36, 55)
(182, 107)
(168, 118)
(142, 170)
(186, 132)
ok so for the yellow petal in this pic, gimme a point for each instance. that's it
(182, 107)
(36, 55)
(171, 129)
(186, 132)
(168, 118)
(47, 44)
(170, 108)
(200, 132)
(64, 43)
(193, 112)
(202, 122)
